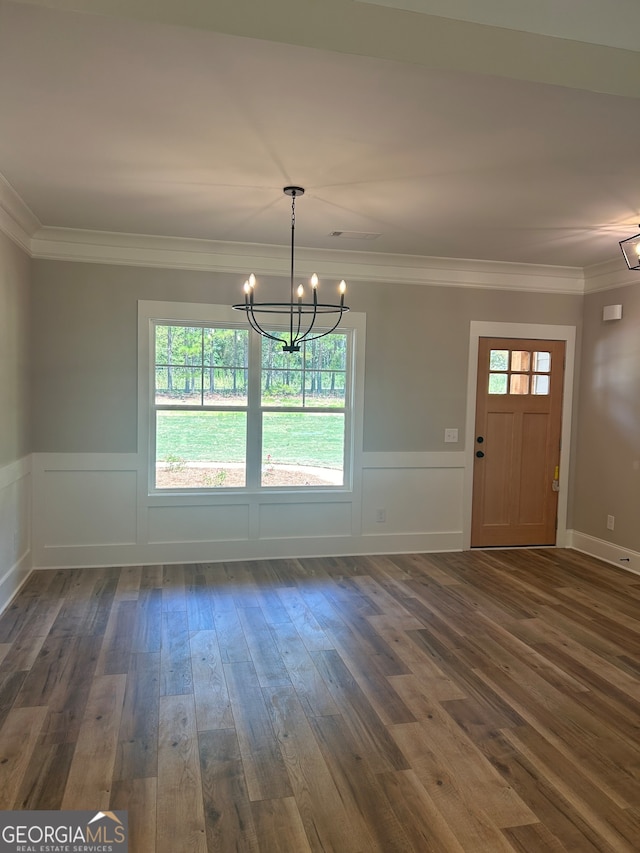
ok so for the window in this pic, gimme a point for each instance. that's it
(519, 372)
(200, 402)
(230, 410)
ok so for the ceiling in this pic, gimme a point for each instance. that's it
(447, 138)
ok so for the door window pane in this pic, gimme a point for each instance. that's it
(520, 361)
(499, 360)
(519, 383)
(540, 385)
(497, 383)
(542, 362)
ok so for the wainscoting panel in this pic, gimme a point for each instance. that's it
(15, 527)
(296, 520)
(94, 510)
(198, 523)
(412, 500)
(89, 508)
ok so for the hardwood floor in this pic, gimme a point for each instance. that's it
(483, 702)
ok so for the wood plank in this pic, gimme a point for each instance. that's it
(138, 798)
(137, 753)
(198, 598)
(310, 687)
(18, 738)
(231, 639)
(307, 626)
(554, 811)
(118, 637)
(359, 788)
(424, 826)
(279, 826)
(89, 781)
(264, 765)
(180, 822)
(45, 777)
(175, 657)
(173, 589)
(328, 823)
(148, 634)
(61, 679)
(439, 685)
(473, 828)
(615, 826)
(229, 819)
(266, 658)
(10, 686)
(129, 581)
(372, 736)
(213, 706)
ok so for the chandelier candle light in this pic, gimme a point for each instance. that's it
(301, 316)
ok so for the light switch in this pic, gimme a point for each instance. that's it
(450, 435)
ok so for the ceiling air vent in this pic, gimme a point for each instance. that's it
(355, 235)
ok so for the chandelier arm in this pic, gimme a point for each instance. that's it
(258, 328)
(328, 332)
(305, 336)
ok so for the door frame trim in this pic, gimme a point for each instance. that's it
(487, 329)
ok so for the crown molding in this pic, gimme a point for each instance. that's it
(19, 223)
(609, 275)
(17, 220)
(64, 244)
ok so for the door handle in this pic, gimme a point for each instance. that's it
(479, 454)
(480, 439)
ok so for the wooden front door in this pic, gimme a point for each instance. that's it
(517, 442)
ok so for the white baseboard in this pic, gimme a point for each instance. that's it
(15, 528)
(95, 556)
(618, 556)
(13, 579)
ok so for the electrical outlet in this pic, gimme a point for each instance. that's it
(611, 522)
(450, 435)
(381, 516)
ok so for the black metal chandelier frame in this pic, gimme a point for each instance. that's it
(301, 315)
(631, 251)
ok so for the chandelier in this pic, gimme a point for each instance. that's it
(299, 315)
(631, 251)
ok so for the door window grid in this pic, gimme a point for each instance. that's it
(519, 372)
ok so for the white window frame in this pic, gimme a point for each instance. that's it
(151, 314)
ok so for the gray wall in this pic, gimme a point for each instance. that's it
(608, 447)
(85, 351)
(15, 339)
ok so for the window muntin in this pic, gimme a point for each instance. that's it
(519, 372)
(200, 365)
(214, 426)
